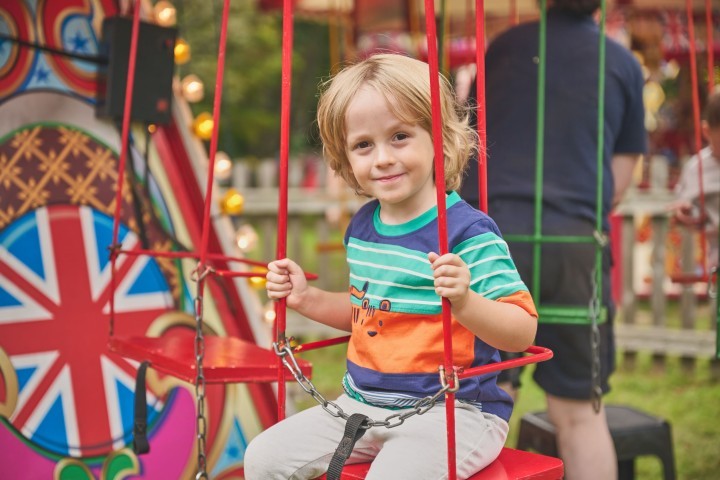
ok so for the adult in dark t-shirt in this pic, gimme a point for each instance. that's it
(569, 197)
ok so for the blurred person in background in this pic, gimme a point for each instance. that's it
(569, 200)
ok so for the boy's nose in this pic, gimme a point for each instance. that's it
(384, 157)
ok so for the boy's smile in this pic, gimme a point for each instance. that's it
(390, 159)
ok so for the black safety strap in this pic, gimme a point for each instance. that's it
(353, 432)
(140, 441)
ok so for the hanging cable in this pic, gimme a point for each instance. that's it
(96, 59)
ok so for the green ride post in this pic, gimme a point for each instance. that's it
(539, 149)
(566, 314)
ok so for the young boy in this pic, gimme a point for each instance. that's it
(688, 187)
(375, 124)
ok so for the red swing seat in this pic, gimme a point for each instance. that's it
(226, 359)
(686, 278)
(510, 465)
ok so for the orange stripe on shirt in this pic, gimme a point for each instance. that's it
(405, 343)
(522, 299)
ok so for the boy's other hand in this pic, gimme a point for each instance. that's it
(452, 277)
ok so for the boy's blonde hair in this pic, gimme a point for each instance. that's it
(405, 84)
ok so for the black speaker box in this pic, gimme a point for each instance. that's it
(154, 68)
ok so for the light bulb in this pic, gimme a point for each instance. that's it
(223, 166)
(246, 238)
(258, 282)
(203, 126)
(193, 89)
(232, 202)
(165, 14)
(269, 313)
(182, 52)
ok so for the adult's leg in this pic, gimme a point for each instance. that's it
(583, 438)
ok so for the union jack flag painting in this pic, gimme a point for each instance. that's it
(66, 401)
(74, 397)
(675, 36)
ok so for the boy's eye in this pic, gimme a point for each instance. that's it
(401, 136)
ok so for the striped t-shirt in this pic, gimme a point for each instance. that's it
(397, 336)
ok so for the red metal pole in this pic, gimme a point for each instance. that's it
(280, 305)
(217, 105)
(127, 110)
(480, 109)
(710, 45)
(442, 222)
(696, 125)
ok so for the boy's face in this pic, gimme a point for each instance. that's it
(391, 160)
(712, 135)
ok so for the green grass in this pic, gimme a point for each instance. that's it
(689, 401)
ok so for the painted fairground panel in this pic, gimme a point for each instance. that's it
(66, 401)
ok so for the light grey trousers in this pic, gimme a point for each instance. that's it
(301, 446)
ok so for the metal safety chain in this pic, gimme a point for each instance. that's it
(201, 419)
(392, 421)
(594, 312)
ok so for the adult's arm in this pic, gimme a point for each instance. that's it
(622, 166)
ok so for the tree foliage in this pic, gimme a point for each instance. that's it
(250, 121)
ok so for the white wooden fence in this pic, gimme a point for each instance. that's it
(655, 315)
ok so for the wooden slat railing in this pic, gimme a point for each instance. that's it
(666, 319)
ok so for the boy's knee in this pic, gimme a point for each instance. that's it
(256, 461)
